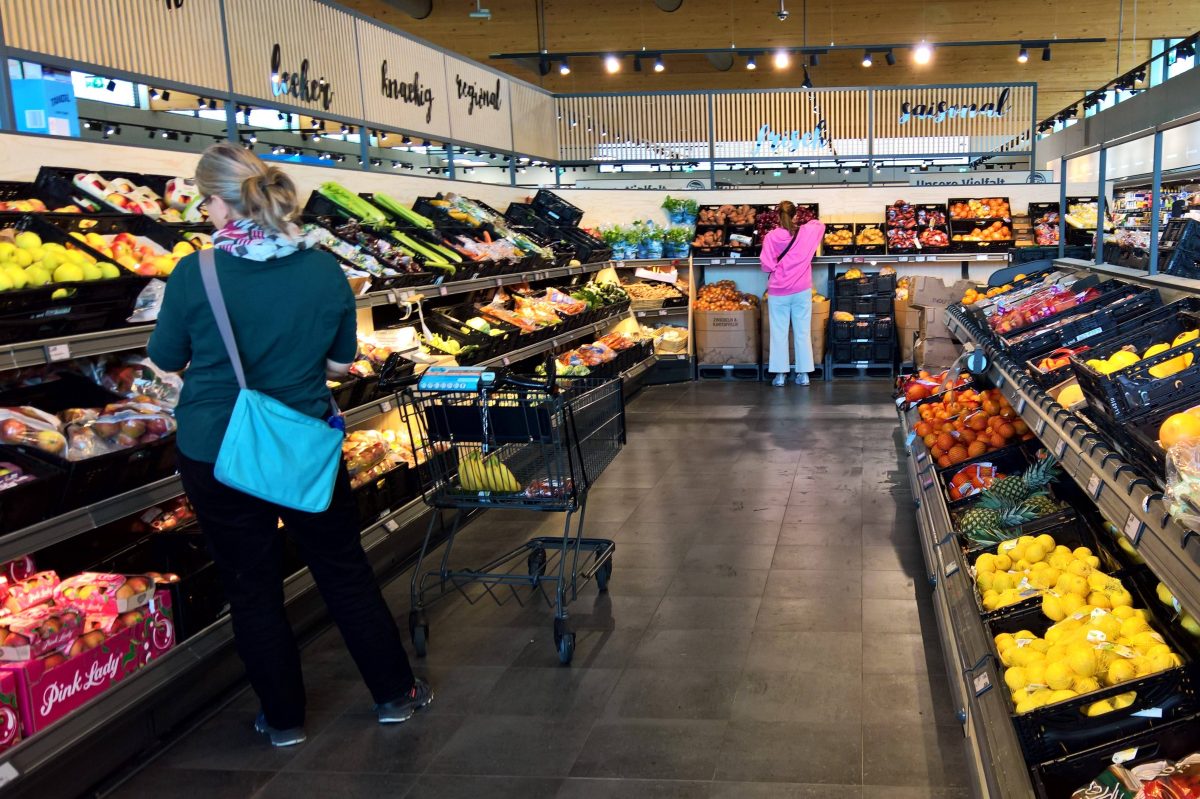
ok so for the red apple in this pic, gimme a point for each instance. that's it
(12, 430)
(15, 639)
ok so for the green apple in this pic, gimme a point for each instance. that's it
(50, 260)
(68, 273)
(7, 248)
(61, 294)
(22, 258)
(108, 271)
(91, 272)
(28, 240)
(37, 276)
(17, 275)
(6, 283)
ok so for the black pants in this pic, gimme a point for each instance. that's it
(246, 545)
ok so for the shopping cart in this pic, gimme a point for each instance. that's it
(486, 440)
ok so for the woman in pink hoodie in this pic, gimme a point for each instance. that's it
(787, 253)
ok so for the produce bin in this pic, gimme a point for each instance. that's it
(838, 249)
(553, 207)
(525, 215)
(869, 249)
(1118, 303)
(103, 476)
(1061, 729)
(29, 503)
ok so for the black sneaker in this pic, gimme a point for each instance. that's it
(279, 737)
(400, 710)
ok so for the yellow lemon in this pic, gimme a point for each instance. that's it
(985, 563)
(1155, 349)
(1046, 542)
(1082, 660)
(1133, 625)
(1015, 678)
(1121, 359)
(1059, 676)
(1182, 338)
(1062, 695)
(1080, 567)
(1120, 671)
(1124, 700)
(1035, 553)
(1052, 607)
(1099, 708)
(1099, 600)
(1085, 685)
(1004, 641)
(1002, 562)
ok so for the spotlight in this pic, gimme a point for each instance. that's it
(316, 123)
(187, 137)
(111, 130)
(750, 65)
(659, 66)
(166, 134)
(782, 59)
(212, 104)
(1022, 56)
(112, 85)
(406, 141)
(166, 95)
(574, 122)
(866, 62)
(890, 58)
(282, 116)
(425, 143)
(253, 138)
(564, 68)
(637, 63)
(345, 129)
(1046, 53)
(923, 53)
(814, 60)
(152, 93)
(612, 64)
(807, 83)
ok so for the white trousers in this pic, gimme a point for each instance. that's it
(795, 309)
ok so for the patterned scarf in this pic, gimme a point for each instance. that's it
(245, 239)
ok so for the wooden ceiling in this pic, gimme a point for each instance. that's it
(572, 25)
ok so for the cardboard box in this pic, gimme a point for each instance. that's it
(819, 331)
(929, 290)
(727, 337)
(935, 353)
(10, 717)
(908, 341)
(933, 321)
(157, 633)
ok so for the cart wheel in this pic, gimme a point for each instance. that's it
(418, 628)
(564, 642)
(603, 575)
(537, 563)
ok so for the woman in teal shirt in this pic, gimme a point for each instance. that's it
(293, 316)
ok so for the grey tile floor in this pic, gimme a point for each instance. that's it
(768, 633)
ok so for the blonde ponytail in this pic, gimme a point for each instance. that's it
(252, 189)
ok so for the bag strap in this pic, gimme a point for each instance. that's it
(212, 289)
(789, 247)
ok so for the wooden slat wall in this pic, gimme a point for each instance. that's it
(405, 59)
(320, 33)
(177, 44)
(921, 136)
(483, 125)
(534, 128)
(638, 127)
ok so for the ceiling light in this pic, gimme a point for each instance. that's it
(923, 53)
(750, 65)
(890, 58)
(564, 68)
(659, 66)
(807, 83)
(1046, 53)
(612, 64)
(866, 62)
(480, 13)
(782, 59)
(254, 138)
(112, 85)
(1022, 56)
(814, 60)
(152, 93)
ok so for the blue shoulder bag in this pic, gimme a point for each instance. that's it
(271, 451)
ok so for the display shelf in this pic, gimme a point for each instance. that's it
(1127, 500)
(656, 312)
(551, 343)
(104, 724)
(946, 257)
(68, 525)
(52, 350)
(440, 289)
(995, 759)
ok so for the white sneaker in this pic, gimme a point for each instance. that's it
(780, 381)
(802, 379)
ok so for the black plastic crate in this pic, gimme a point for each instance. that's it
(843, 331)
(1062, 776)
(1119, 301)
(198, 597)
(452, 321)
(964, 200)
(883, 328)
(525, 215)
(932, 214)
(89, 305)
(142, 226)
(588, 248)
(882, 304)
(16, 190)
(868, 284)
(553, 207)
(103, 476)
(1010, 460)
(869, 249)
(1061, 729)
(1038, 211)
(841, 351)
(883, 352)
(838, 249)
(1138, 439)
(373, 499)
(347, 394)
(1132, 392)
(982, 246)
(55, 184)
(925, 235)
(860, 351)
(29, 503)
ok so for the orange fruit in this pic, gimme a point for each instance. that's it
(976, 449)
(936, 452)
(1006, 430)
(943, 462)
(930, 440)
(923, 429)
(957, 453)
(1179, 427)
(945, 441)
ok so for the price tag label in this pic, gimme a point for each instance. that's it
(900, 402)
(982, 683)
(1039, 428)
(903, 258)
(912, 436)
(391, 295)
(730, 261)
(662, 312)
(391, 525)
(1133, 529)
(499, 282)
(58, 352)
(999, 381)
(619, 264)
(505, 360)
(1094, 485)
(1021, 406)
(442, 291)
(981, 257)
(8, 773)
(927, 483)
(1125, 755)
(922, 456)
(950, 568)
(1060, 449)
(385, 406)
(921, 258)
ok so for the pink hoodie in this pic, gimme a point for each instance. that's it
(793, 274)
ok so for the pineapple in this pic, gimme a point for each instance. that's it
(994, 519)
(1017, 488)
(1041, 505)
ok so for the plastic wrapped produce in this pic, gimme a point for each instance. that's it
(32, 428)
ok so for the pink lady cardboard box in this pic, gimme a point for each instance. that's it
(10, 725)
(51, 687)
(155, 632)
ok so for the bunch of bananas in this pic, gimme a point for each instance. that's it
(477, 473)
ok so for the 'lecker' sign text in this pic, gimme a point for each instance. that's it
(297, 84)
